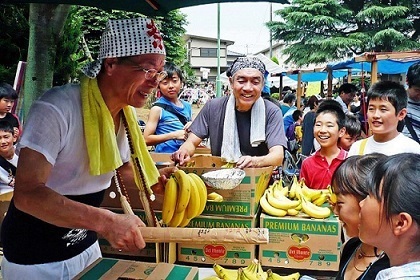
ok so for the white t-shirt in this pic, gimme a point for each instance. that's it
(54, 128)
(398, 145)
(5, 178)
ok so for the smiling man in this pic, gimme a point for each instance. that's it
(243, 128)
(76, 138)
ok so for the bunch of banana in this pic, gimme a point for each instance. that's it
(274, 276)
(185, 198)
(214, 197)
(254, 271)
(276, 201)
(317, 197)
(280, 201)
(229, 165)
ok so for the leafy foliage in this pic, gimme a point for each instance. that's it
(68, 50)
(318, 31)
(87, 22)
(14, 39)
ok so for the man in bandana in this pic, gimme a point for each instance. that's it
(243, 128)
(76, 138)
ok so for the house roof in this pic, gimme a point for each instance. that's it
(211, 39)
(232, 53)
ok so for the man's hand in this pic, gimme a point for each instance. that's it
(123, 232)
(181, 156)
(247, 162)
(165, 173)
(180, 134)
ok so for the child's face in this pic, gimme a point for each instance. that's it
(346, 141)
(347, 209)
(6, 105)
(170, 87)
(6, 142)
(382, 117)
(326, 130)
(374, 229)
(414, 93)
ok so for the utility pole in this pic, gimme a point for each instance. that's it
(271, 35)
(218, 83)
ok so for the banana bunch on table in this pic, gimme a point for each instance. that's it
(280, 201)
(185, 198)
(254, 271)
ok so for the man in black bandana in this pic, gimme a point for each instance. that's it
(242, 128)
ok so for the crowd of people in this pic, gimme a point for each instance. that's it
(81, 136)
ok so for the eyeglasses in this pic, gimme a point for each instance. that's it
(154, 74)
(150, 74)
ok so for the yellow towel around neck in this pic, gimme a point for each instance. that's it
(101, 141)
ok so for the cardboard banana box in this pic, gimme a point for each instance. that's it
(227, 253)
(111, 269)
(242, 200)
(301, 243)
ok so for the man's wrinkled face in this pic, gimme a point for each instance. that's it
(136, 77)
(247, 85)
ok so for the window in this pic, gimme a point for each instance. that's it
(208, 52)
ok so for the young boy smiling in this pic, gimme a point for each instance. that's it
(317, 169)
(387, 105)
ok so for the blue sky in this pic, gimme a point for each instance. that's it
(242, 23)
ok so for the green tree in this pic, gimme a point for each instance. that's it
(69, 51)
(172, 29)
(56, 53)
(318, 31)
(13, 39)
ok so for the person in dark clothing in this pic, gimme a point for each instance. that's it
(308, 127)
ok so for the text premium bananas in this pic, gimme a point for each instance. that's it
(185, 198)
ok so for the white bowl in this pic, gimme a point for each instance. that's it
(224, 179)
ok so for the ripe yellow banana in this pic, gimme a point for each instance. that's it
(194, 203)
(332, 196)
(169, 200)
(321, 199)
(315, 211)
(270, 210)
(177, 219)
(281, 202)
(184, 190)
(279, 191)
(274, 276)
(247, 274)
(292, 212)
(229, 165)
(261, 274)
(310, 194)
(225, 273)
(202, 190)
(214, 197)
(185, 221)
(293, 187)
(274, 184)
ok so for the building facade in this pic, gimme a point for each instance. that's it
(202, 56)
